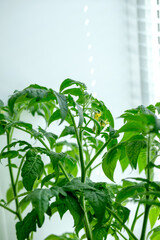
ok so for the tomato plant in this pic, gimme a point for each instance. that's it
(52, 171)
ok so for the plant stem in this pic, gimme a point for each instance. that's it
(147, 207)
(97, 153)
(64, 171)
(81, 158)
(86, 220)
(19, 169)
(10, 210)
(80, 149)
(135, 217)
(20, 195)
(130, 233)
(12, 180)
(121, 234)
(96, 166)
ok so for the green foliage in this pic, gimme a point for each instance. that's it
(32, 169)
(43, 170)
(28, 225)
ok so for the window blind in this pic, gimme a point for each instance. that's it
(143, 17)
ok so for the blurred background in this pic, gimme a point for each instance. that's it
(113, 46)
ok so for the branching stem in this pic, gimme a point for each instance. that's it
(98, 153)
(130, 233)
(79, 137)
(147, 207)
(12, 180)
(8, 209)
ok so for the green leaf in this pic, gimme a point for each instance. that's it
(80, 112)
(65, 236)
(69, 82)
(129, 192)
(77, 185)
(122, 212)
(2, 129)
(33, 91)
(75, 210)
(142, 160)
(153, 215)
(107, 116)
(100, 233)
(9, 193)
(9, 154)
(155, 233)
(47, 179)
(32, 169)
(70, 164)
(62, 101)
(133, 149)
(55, 116)
(68, 130)
(158, 107)
(20, 143)
(25, 227)
(59, 206)
(40, 201)
(25, 125)
(73, 91)
(152, 108)
(1, 103)
(109, 162)
(56, 157)
(98, 200)
(132, 127)
(51, 137)
(54, 237)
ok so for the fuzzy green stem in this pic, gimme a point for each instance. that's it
(135, 218)
(97, 153)
(147, 207)
(130, 233)
(64, 171)
(80, 149)
(8, 209)
(18, 196)
(81, 158)
(96, 166)
(12, 180)
(86, 221)
(121, 234)
(19, 170)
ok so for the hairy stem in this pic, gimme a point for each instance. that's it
(8, 209)
(79, 137)
(18, 196)
(81, 158)
(121, 234)
(64, 171)
(130, 233)
(12, 179)
(147, 207)
(19, 170)
(98, 153)
(86, 221)
(135, 217)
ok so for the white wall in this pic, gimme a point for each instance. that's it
(45, 42)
